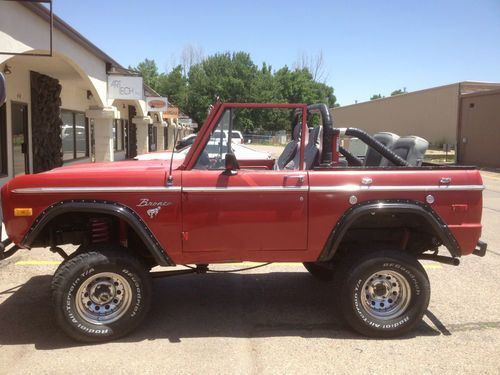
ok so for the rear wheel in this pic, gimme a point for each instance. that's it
(101, 295)
(321, 271)
(384, 293)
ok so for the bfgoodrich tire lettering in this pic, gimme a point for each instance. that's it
(385, 294)
(100, 295)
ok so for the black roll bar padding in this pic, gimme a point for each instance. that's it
(322, 109)
(377, 146)
(326, 151)
(351, 159)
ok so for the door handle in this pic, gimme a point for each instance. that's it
(299, 178)
(445, 180)
(366, 181)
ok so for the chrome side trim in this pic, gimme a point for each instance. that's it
(314, 189)
(356, 188)
(243, 189)
(97, 189)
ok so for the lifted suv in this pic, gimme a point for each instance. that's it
(364, 224)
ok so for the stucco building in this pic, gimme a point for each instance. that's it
(442, 115)
(59, 109)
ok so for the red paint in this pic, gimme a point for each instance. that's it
(214, 226)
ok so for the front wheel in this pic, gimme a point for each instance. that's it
(101, 295)
(384, 294)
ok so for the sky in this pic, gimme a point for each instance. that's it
(368, 47)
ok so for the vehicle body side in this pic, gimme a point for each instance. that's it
(199, 216)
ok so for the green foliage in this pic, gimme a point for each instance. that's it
(398, 92)
(149, 72)
(233, 77)
(376, 96)
(174, 86)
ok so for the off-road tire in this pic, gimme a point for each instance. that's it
(122, 274)
(384, 293)
(319, 270)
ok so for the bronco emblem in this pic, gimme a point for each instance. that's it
(152, 212)
(145, 202)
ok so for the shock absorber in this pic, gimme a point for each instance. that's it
(100, 230)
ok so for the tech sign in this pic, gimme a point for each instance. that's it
(125, 87)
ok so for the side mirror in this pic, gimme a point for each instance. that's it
(231, 164)
(3, 89)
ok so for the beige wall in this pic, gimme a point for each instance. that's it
(431, 114)
(15, 36)
(479, 129)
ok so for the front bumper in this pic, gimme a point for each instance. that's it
(480, 249)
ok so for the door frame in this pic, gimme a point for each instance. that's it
(26, 131)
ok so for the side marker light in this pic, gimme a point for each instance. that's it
(23, 212)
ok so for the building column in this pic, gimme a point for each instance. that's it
(171, 127)
(142, 133)
(101, 120)
(160, 139)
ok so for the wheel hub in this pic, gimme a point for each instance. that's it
(103, 298)
(102, 292)
(386, 295)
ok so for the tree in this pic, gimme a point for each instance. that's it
(376, 96)
(149, 72)
(229, 77)
(398, 92)
(314, 64)
(190, 56)
(174, 86)
(197, 83)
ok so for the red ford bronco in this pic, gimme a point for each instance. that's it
(363, 222)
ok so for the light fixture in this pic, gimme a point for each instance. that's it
(7, 70)
(89, 95)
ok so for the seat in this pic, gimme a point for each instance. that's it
(410, 148)
(373, 158)
(311, 151)
(290, 149)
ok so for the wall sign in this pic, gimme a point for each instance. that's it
(156, 104)
(125, 87)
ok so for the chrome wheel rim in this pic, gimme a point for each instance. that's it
(386, 295)
(103, 298)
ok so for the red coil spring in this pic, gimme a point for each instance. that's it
(99, 229)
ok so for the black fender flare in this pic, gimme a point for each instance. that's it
(389, 206)
(104, 207)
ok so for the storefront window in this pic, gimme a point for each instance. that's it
(74, 134)
(118, 134)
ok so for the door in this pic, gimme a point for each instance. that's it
(249, 211)
(20, 145)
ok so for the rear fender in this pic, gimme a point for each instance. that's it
(388, 207)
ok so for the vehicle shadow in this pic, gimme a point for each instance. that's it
(213, 305)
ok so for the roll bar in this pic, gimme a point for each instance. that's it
(331, 135)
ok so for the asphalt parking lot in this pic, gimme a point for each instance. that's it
(275, 319)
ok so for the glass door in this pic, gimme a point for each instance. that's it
(20, 145)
